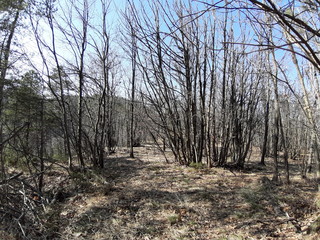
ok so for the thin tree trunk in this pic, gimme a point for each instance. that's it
(80, 118)
(276, 119)
(285, 150)
(82, 49)
(224, 145)
(133, 90)
(266, 132)
(42, 147)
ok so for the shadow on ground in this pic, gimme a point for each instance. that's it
(151, 200)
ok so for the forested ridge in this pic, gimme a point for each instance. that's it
(159, 119)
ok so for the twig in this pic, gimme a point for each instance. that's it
(16, 131)
(11, 178)
(22, 230)
(29, 186)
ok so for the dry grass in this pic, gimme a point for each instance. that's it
(145, 198)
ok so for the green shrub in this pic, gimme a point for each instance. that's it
(197, 165)
(173, 219)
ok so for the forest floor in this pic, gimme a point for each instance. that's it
(147, 198)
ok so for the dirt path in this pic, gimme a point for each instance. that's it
(145, 198)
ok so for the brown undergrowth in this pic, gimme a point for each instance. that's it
(146, 198)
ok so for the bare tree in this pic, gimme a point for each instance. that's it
(103, 114)
(56, 76)
(130, 47)
(77, 37)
